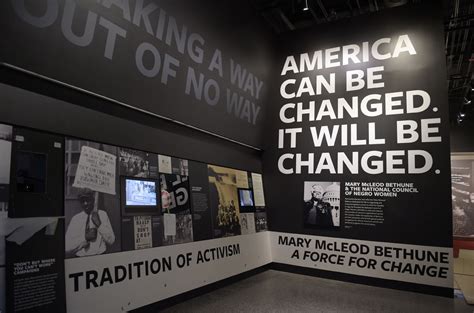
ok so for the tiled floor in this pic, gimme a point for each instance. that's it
(274, 291)
(464, 274)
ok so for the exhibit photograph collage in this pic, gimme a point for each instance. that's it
(119, 199)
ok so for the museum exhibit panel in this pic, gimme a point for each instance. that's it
(167, 147)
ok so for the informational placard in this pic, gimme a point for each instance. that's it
(258, 193)
(358, 139)
(201, 208)
(96, 171)
(242, 179)
(35, 268)
(164, 164)
(143, 232)
(247, 223)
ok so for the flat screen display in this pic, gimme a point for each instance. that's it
(31, 172)
(246, 198)
(140, 192)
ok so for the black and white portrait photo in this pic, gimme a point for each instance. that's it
(93, 221)
(322, 206)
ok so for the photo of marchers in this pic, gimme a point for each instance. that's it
(137, 163)
(322, 204)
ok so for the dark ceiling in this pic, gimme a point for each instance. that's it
(287, 15)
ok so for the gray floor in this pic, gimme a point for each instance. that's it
(274, 291)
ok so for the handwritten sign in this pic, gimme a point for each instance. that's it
(96, 170)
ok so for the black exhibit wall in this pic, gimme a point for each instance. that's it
(184, 60)
(357, 147)
(150, 134)
(154, 81)
(347, 121)
(461, 137)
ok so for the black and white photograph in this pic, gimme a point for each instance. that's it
(247, 223)
(3, 289)
(93, 220)
(138, 163)
(180, 166)
(224, 200)
(5, 161)
(175, 195)
(142, 232)
(6, 132)
(261, 221)
(3, 234)
(462, 195)
(2, 249)
(322, 206)
(183, 231)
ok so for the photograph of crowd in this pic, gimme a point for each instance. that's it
(180, 166)
(261, 221)
(184, 230)
(224, 201)
(137, 163)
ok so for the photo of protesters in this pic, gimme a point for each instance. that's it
(224, 201)
(137, 163)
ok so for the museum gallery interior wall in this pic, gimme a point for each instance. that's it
(120, 200)
(353, 127)
(185, 68)
(357, 161)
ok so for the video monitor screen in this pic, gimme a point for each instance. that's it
(31, 172)
(246, 198)
(140, 192)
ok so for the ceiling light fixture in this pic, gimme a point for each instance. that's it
(306, 8)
